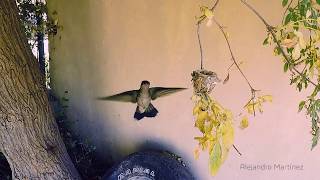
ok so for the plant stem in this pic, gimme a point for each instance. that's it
(231, 53)
(237, 150)
(202, 18)
(200, 46)
(271, 30)
(215, 5)
(253, 91)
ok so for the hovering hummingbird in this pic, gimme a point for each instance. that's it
(143, 98)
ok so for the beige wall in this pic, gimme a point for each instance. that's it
(109, 46)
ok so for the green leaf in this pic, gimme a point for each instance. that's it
(286, 67)
(285, 2)
(318, 2)
(288, 19)
(299, 86)
(294, 80)
(266, 41)
(301, 105)
(315, 91)
(215, 159)
(315, 139)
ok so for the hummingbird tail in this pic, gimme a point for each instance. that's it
(151, 111)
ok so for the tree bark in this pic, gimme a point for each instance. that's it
(29, 136)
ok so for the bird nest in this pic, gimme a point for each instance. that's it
(204, 81)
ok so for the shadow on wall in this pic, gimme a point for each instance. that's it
(5, 171)
(147, 145)
(94, 152)
(80, 149)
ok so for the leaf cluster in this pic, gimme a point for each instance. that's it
(297, 41)
(34, 17)
(216, 125)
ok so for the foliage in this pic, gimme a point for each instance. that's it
(38, 26)
(257, 103)
(214, 121)
(297, 40)
(216, 125)
(35, 19)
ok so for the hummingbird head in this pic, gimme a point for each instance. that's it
(145, 85)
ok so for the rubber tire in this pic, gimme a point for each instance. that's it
(150, 165)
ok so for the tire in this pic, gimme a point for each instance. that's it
(150, 165)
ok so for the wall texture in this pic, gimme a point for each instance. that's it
(109, 46)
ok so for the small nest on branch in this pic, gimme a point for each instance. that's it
(204, 81)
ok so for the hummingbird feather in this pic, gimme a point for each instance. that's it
(161, 91)
(128, 96)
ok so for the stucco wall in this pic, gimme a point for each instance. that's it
(109, 46)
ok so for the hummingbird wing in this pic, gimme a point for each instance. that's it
(128, 96)
(156, 92)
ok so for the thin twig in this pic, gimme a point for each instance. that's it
(237, 150)
(200, 46)
(231, 53)
(271, 30)
(253, 91)
(215, 5)
(202, 18)
(230, 66)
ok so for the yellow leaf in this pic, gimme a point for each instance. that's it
(229, 115)
(266, 98)
(200, 122)
(215, 159)
(211, 145)
(207, 12)
(250, 108)
(203, 115)
(289, 43)
(196, 110)
(227, 131)
(226, 134)
(216, 107)
(204, 104)
(202, 142)
(208, 127)
(195, 98)
(244, 122)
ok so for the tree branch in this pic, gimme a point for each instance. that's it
(270, 29)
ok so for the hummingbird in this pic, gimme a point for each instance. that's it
(143, 97)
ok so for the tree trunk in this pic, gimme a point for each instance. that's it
(29, 136)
